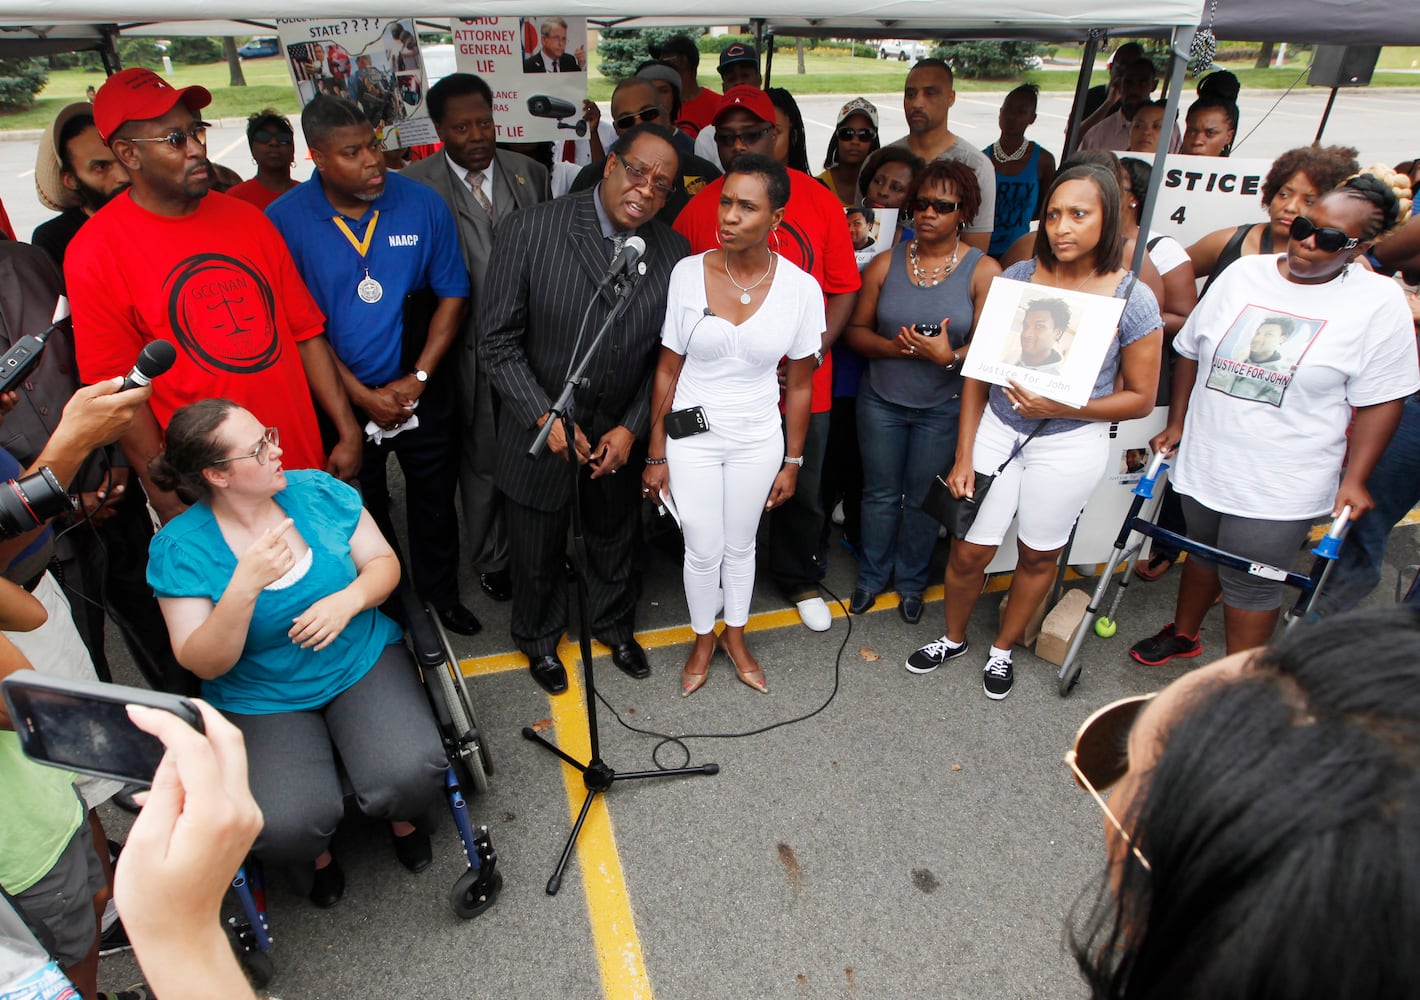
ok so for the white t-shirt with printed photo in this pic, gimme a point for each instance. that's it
(732, 371)
(1280, 365)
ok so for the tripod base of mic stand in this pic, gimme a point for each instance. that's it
(599, 778)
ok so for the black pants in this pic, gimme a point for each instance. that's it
(843, 469)
(537, 545)
(795, 527)
(428, 457)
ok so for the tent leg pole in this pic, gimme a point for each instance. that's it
(1178, 45)
(1325, 114)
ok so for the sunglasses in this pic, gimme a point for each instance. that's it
(262, 450)
(937, 205)
(178, 140)
(629, 121)
(749, 137)
(1327, 239)
(848, 134)
(1100, 756)
(280, 138)
(640, 178)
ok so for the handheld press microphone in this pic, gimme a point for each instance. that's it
(22, 357)
(156, 357)
(625, 261)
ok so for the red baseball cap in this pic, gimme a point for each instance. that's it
(752, 99)
(137, 95)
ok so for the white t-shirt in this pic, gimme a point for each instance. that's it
(731, 370)
(705, 147)
(1280, 365)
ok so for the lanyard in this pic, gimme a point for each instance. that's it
(362, 245)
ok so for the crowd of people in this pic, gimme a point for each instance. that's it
(764, 369)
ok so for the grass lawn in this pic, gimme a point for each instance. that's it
(269, 83)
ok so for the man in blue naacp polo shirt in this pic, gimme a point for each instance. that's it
(381, 256)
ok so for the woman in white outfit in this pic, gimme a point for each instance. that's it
(731, 315)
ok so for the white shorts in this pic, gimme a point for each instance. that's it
(1047, 484)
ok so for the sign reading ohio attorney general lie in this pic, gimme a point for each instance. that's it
(537, 67)
(1202, 194)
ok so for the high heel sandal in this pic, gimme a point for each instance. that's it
(691, 682)
(745, 676)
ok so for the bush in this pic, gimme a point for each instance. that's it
(140, 52)
(194, 51)
(715, 44)
(988, 60)
(834, 46)
(21, 80)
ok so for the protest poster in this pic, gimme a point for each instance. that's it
(872, 231)
(373, 61)
(1202, 194)
(537, 68)
(1051, 341)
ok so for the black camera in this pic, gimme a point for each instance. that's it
(27, 503)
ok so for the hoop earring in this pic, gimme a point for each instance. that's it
(774, 233)
(719, 242)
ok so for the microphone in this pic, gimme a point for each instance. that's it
(156, 357)
(22, 357)
(631, 251)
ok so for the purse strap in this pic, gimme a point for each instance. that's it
(1017, 449)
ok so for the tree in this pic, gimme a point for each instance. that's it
(988, 60)
(21, 80)
(194, 50)
(1264, 56)
(623, 49)
(234, 62)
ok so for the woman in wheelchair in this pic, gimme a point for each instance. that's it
(269, 584)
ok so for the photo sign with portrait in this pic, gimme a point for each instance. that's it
(872, 231)
(1202, 194)
(537, 67)
(373, 61)
(1051, 341)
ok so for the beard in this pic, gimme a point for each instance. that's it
(91, 199)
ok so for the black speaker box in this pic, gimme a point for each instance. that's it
(1343, 65)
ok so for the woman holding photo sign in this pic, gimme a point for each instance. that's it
(1057, 453)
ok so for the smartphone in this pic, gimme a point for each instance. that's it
(686, 423)
(929, 329)
(82, 725)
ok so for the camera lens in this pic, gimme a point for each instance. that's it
(27, 503)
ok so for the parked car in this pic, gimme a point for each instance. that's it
(258, 48)
(903, 49)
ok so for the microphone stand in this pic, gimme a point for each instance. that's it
(597, 775)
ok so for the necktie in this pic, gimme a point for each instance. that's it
(554, 66)
(617, 242)
(475, 185)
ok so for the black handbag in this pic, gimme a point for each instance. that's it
(957, 514)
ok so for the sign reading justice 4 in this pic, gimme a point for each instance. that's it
(1202, 194)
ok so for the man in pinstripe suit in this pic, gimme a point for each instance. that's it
(548, 261)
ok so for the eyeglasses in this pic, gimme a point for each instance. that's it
(630, 121)
(640, 178)
(280, 138)
(749, 136)
(262, 450)
(937, 205)
(848, 134)
(1100, 756)
(178, 140)
(1328, 239)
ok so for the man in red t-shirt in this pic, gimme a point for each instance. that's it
(814, 237)
(166, 260)
(697, 104)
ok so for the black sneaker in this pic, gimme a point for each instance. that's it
(1168, 644)
(138, 991)
(933, 655)
(114, 940)
(998, 677)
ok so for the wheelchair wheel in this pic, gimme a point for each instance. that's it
(475, 755)
(258, 967)
(471, 894)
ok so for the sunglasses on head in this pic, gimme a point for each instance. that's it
(1099, 756)
(749, 136)
(280, 138)
(938, 205)
(178, 140)
(1327, 239)
(848, 134)
(630, 121)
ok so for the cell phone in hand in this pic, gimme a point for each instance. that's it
(83, 725)
(929, 329)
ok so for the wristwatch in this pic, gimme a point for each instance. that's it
(799, 461)
(421, 375)
(818, 359)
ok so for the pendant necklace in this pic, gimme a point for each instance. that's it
(1003, 157)
(369, 290)
(925, 278)
(745, 290)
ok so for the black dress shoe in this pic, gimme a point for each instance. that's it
(549, 673)
(498, 585)
(631, 658)
(329, 885)
(461, 620)
(414, 851)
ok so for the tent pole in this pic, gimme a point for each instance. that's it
(1082, 89)
(1325, 114)
(1179, 44)
(768, 58)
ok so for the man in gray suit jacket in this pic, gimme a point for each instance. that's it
(548, 264)
(482, 184)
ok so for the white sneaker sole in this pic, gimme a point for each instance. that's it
(815, 615)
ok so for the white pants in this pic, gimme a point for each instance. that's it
(1045, 486)
(720, 488)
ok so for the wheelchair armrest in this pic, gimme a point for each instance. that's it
(421, 632)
